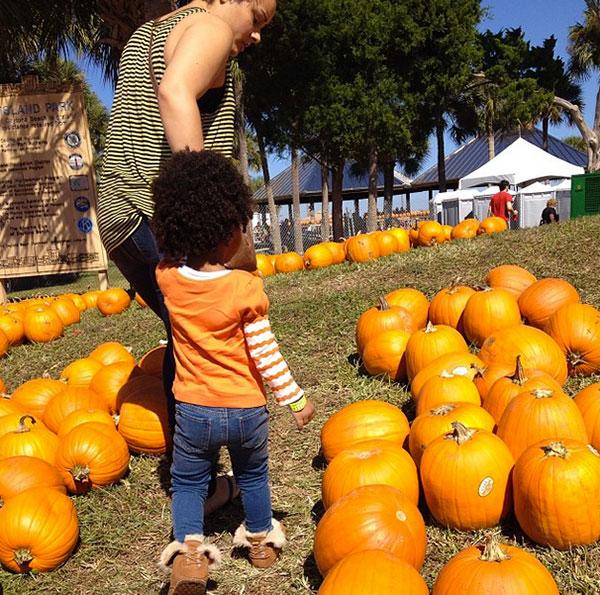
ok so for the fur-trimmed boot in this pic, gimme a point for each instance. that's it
(263, 548)
(192, 560)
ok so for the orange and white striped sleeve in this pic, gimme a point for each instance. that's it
(264, 351)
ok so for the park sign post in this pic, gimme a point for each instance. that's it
(47, 183)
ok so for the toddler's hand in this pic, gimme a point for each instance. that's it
(304, 416)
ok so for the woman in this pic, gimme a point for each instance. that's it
(174, 91)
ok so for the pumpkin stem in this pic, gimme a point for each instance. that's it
(443, 409)
(383, 304)
(23, 556)
(574, 359)
(542, 393)
(482, 288)
(556, 449)
(430, 328)
(80, 473)
(519, 376)
(460, 433)
(492, 550)
(22, 427)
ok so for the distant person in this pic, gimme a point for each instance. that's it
(549, 214)
(501, 204)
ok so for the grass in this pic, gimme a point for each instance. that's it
(125, 527)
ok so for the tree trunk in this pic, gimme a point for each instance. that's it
(589, 135)
(273, 210)
(337, 201)
(298, 243)
(324, 203)
(490, 140)
(545, 122)
(240, 122)
(441, 156)
(388, 192)
(372, 201)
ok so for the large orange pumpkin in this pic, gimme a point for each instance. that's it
(113, 301)
(370, 517)
(29, 441)
(412, 300)
(84, 416)
(576, 329)
(538, 350)
(466, 478)
(337, 250)
(152, 361)
(111, 353)
(540, 414)
(588, 402)
(12, 326)
(487, 374)
(35, 394)
(109, 380)
(80, 371)
(289, 262)
(12, 423)
(377, 462)
(317, 257)
(431, 233)
(427, 344)
(384, 354)
(9, 406)
(492, 225)
(67, 311)
(264, 265)
(465, 230)
(362, 248)
(379, 571)
(510, 277)
(543, 298)
(41, 325)
(402, 238)
(447, 388)
(360, 422)
(21, 473)
(557, 493)
(71, 399)
(492, 568)
(448, 304)
(91, 297)
(38, 531)
(386, 242)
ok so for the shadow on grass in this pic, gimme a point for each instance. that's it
(311, 573)
(319, 463)
(317, 512)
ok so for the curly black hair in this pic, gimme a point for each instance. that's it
(200, 199)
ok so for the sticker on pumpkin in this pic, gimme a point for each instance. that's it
(485, 487)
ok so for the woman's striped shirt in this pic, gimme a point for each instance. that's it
(136, 144)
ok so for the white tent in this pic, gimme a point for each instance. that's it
(537, 188)
(519, 163)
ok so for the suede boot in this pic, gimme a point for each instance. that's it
(263, 548)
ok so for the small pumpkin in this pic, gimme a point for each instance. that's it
(90, 297)
(264, 265)
(465, 230)
(112, 352)
(337, 251)
(70, 399)
(83, 416)
(77, 300)
(448, 304)
(362, 248)
(42, 325)
(21, 473)
(67, 311)
(317, 256)
(386, 242)
(466, 478)
(510, 277)
(412, 300)
(9, 406)
(430, 233)
(113, 301)
(12, 326)
(80, 371)
(289, 262)
(487, 374)
(29, 441)
(447, 388)
(402, 238)
(384, 354)
(492, 225)
(588, 402)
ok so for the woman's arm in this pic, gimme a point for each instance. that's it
(195, 64)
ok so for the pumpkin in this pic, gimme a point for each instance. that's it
(9, 406)
(143, 416)
(360, 422)
(447, 388)
(492, 567)
(91, 455)
(412, 300)
(109, 380)
(90, 298)
(436, 422)
(588, 402)
(576, 330)
(264, 265)
(370, 517)
(2, 388)
(111, 353)
(152, 361)
(447, 229)
(384, 354)
(12, 326)
(113, 301)
(67, 311)
(29, 441)
(317, 257)
(12, 423)
(430, 233)
(38, 531)
(538, 350)
(77, 300)
(487, 311)
(543, 298)
(466, 478)
(42, 325)
(465, 230)
(492, 225)
(386, 242)
(377, 462)
(362, 248)
(289, 262)
(540, 414)
(4, 344)
(461, 363)
(448, 304)
(413, 235)
(35, 394)
(402, 239)
(18, 474)
(80, 371)
(379, 571)
(427, 344)
(83, 416)
(338, 253)
(510, 277)
(70, 399)
(487, 374)
(382, 318)
(506, 388)
(557, 491)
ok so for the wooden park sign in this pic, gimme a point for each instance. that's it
(47, 183)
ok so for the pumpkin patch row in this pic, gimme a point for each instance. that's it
(43, 319)
(71, 435)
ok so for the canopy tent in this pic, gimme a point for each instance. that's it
(537, 188)
(452, 206)
(519, 163)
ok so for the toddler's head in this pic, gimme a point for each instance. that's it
(200, 201)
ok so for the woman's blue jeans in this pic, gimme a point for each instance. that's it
(199, 434)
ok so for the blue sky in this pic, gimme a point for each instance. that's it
(538, 18)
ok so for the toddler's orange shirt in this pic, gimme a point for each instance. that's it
(213, 365)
